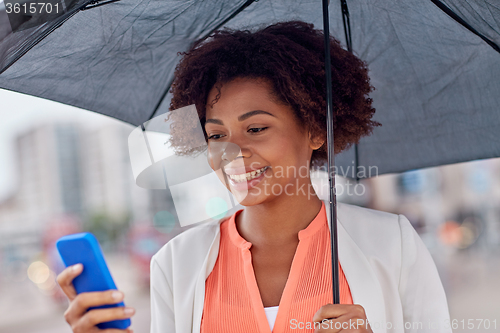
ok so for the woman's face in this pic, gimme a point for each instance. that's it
(258, 145)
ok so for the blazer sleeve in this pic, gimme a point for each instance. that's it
(162, 305)
(424, 304)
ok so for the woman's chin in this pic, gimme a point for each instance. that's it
(248, 198)
(253, 197)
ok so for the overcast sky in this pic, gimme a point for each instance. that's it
(20, 112)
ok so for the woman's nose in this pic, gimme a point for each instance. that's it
(231, 152)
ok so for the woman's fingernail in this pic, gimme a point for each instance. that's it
(129, 311)
(117, 295)
(77, 267)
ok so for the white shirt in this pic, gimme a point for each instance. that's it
(388, 268)
(271, 313)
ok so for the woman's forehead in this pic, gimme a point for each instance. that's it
(240, 87)
(239, 96)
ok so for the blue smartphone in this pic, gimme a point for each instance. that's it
(83, 248)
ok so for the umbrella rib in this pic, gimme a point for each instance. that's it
(347, 25)
(460, 20)
(230, 17)
(97, 3)
(348, 39)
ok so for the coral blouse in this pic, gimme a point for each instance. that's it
(232, 297)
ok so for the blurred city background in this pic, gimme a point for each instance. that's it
(65, 170)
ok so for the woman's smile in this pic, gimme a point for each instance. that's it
(245, 181)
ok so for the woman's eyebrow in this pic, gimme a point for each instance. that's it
(214, 121)
(240, 118)
(253, 113)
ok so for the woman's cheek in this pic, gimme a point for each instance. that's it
(221, 176)
(214, 157)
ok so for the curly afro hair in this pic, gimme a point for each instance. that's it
(290, 56)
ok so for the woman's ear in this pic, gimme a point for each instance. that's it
(315, 142)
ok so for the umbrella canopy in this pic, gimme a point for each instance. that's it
(435, 66)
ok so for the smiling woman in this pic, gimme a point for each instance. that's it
(260, 99)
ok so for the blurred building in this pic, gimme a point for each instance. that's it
(464, 195)
(455, 206)
(109, 183)
(66, 170)
(48, 180)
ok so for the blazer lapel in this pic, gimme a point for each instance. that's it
(208, 265)
(365, 288)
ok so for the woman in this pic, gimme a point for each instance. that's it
(267, 267)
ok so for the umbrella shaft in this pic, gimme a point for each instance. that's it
(331, 155)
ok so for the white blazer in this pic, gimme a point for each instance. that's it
(389, 270)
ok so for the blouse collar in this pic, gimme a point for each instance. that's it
(316, 224)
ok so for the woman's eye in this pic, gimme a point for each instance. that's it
(257, 129)
(214, 137)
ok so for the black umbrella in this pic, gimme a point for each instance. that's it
(434, 64)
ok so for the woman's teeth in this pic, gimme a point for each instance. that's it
(245, 177)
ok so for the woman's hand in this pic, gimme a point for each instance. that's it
(341, 318)
(77, 316)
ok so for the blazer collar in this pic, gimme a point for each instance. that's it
(363, 283)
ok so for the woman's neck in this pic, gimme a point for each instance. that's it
(279, 221)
